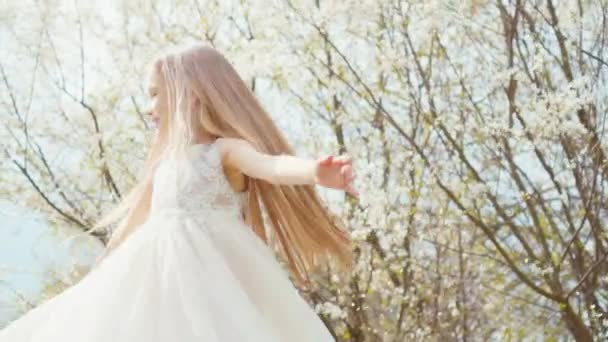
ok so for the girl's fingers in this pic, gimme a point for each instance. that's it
(347, 172)
(344, 159)
(330, 160)
(348, 177)
(351, 178)
(326, 160)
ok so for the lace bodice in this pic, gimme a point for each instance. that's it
(199, 187)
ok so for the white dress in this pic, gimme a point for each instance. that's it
(194, 271)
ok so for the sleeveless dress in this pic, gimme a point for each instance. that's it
(193, 271)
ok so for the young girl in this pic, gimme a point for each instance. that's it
(220, 190)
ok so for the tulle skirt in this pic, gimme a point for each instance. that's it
(178, 278)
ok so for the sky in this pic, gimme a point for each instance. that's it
(29, 250)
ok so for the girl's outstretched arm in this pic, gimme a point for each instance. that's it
(331, 172)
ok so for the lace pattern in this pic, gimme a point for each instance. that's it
(200, 187)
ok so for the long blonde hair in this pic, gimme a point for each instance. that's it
(206, 94)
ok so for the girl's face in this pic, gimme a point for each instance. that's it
(158, 96)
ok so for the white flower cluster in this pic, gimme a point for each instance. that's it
(331, 310)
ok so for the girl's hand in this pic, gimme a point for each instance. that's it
(335, 172)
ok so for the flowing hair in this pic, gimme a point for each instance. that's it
(206, 94)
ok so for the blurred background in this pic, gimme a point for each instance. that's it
(477, 129)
